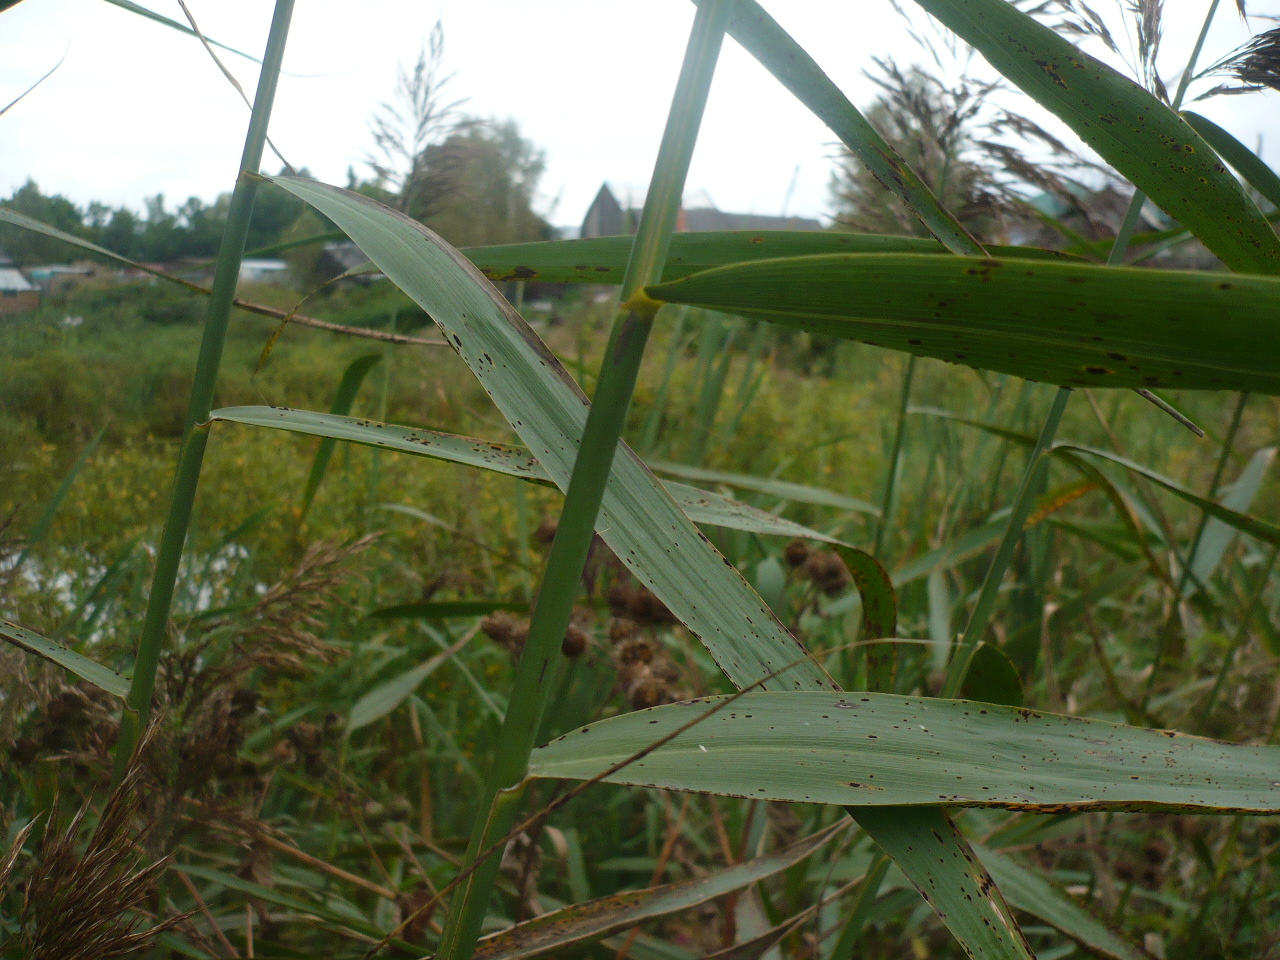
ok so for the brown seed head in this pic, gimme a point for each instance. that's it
(796, 553)
(574, 643)
(827, 571)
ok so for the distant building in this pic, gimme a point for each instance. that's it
(17, 293)
(616, 211)
(56, 277)
(254, 270)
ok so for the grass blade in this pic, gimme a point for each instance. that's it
(40, 528)
(875, 749)
(187, 472)
(1243, 160)
(1063, 323)
(643, 526)
(1136, 133)
(95, 673)
(385, 697)
(175, 25)
(1028, 890)
(879, 616)
(1216, 536)
(778, 53)
(1264, 531)
(597, 918)
(782, 489)
(604, 259)
(544, 406)
(929, 848)
(701, 506)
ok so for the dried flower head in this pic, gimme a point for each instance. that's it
(827, 571)
(546, 531)
(796, 553)
(1254, 66)
(506, 630)
(89, 904)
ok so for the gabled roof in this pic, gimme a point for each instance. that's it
(12, 281)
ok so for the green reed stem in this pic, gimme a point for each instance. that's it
(605, 422)
(1022, 505)
(891, 481)
(191, 457)
(981, 615)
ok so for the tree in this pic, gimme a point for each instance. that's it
(26, 247)
(471, 181)
(477, 187)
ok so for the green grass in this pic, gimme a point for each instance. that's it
(340, 762)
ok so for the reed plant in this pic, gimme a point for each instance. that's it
(850, 690)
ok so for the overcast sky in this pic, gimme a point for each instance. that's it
(138, 109)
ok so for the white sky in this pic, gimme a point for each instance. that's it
(139, 109)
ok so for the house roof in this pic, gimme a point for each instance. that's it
(616, 210)
(12, 281)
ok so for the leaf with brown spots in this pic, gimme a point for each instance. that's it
(1072, 324)
(810, 747)
(620, 911)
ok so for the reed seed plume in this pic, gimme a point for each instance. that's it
(91, 903)
(1254, 66)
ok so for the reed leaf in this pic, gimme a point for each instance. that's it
(104, 678)
(1028, 890)
(643, 525)
(619, 911)
(1064, 323)
(1243, 160)
(603, 259)
(701, 506)
(873, 749)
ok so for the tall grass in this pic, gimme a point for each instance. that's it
(333, 772)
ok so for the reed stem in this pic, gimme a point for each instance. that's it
(605, 421)
(195, 438)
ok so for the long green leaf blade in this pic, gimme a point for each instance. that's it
(792, 66)
(603, 259)
(1064, 323)
(877, 749)
(1217, 535)
(1266, 532)
(782, 489)
(928, 847)
(701, 506)
(385, 697)
(175, 25)
(1245, 162)
(643, 525)
(597, 918)
(1028, 890)
(101, 677)
(1129, 128)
